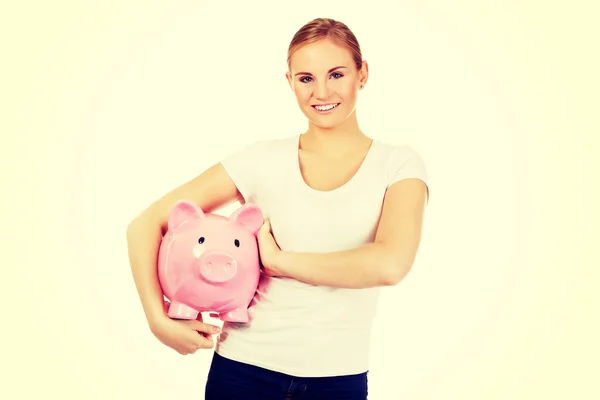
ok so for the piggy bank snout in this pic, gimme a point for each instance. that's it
(217, 267)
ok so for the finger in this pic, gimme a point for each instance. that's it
(204, 327)
(266, 226)
(200, 341)
(204, 343)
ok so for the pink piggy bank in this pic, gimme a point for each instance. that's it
(210, 263)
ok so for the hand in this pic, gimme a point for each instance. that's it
(184, 336)
(269, 250)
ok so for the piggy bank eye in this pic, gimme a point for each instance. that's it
(201, 240)
(236, 242)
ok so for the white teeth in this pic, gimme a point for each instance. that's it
(327, 107)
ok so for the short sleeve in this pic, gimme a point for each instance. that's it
(243, 167)
(406, 163)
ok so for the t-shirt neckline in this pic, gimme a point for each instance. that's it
(347, 184)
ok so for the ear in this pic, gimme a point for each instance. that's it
(288, 76)
(364, 73)
(183, 211)
(249, 215)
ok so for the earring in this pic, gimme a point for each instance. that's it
(362, 86)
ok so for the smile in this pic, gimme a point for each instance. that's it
(326, 107)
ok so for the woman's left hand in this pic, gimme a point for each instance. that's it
(269, 250)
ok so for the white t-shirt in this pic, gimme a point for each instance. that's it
(297, 328)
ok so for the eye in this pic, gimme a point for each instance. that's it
(236, 243)
(336, 75)
(201, 240)
(303, 79)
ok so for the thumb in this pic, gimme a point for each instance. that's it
(204, 327)
(266, 227)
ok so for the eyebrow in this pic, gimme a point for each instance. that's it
(330, 71)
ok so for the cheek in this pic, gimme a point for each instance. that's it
(302, 92)
(346, 89)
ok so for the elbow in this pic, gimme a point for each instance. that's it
(396, 264)
(395, 272)
(143, 228)
(135, 226)
(131, 228)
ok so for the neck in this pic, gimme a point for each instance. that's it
(335, 140)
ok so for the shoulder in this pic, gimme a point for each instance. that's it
(402, 161)
(242, 153)
(246, 164)
(261, 147)
(396, 156)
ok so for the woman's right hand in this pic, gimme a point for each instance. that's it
(184, 336)
(210, 191)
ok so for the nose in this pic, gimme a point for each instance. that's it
(322, 90)
(217, 267)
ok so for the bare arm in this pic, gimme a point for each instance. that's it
(211, 190)
(384, 262)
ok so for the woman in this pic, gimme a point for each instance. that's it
(346, 211)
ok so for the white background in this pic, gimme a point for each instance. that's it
(113, 104)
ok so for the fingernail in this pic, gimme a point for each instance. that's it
(216, 328)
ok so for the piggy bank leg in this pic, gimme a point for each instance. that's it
(181, 311)
(237, 315)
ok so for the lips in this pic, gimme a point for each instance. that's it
(325, 107)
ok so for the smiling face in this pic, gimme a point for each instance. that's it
(325, 81)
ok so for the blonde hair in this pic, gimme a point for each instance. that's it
(326, 28)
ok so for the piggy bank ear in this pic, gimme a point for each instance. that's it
(183, 211)
(249, 215)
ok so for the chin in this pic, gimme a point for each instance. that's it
(326, 125)
(326, 121)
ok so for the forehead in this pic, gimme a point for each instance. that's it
(320, 56)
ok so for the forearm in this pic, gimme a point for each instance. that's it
(143, 241)
(366, 266)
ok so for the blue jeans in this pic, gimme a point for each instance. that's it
(233, 380)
